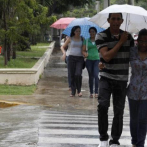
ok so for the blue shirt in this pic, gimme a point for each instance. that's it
(137, 89)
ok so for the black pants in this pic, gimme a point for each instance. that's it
(75, 66)
(138, 121)
(118, 91)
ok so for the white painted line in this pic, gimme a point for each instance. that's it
(75, 132)
(74, 125)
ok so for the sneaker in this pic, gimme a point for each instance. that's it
(103, 144)
(114, 145)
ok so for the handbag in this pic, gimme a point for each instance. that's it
(84, 64)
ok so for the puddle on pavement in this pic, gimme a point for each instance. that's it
(6, 105)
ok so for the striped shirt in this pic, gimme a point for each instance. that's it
(118, 67)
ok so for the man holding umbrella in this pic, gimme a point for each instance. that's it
(114, 46)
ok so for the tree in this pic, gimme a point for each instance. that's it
(80, 11)
(20, 20)
(60, 6)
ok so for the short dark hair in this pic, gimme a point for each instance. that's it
(73, 30)
(142, 32)
(114, 13)
(93, 28)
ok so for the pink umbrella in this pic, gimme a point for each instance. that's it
(62, 23)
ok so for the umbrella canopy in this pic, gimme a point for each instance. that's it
(85, 24)
(135, 17)
(62, 23)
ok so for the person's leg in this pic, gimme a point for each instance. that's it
(119, 95)
(89, 66)
(72, 68)
(78, 74)
(96, 72)
(68, 72)
(133, 107)
(103, 105)
(142, 123)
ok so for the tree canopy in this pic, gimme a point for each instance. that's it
(60, 6)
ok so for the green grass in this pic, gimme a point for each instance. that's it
(17, 90)
(36, 51)
(26, 59)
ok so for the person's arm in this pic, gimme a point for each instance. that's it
(63, 47)
(109, 54)
(84, 52)
(84, 49)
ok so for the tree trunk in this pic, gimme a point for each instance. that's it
(5, 40)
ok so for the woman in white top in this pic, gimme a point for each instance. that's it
(75, 59)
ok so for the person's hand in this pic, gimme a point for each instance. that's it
(101, 65)
(85, 54)
(124, 37)
(63, 57)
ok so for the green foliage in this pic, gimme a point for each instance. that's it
(141, 3)
(17, 89)
(21, 17)
(61, 6)
(87, 11)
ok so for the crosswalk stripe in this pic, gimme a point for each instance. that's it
(75, 121)
(68, 129)
(77, 116)
(75, 132)
(74, 126)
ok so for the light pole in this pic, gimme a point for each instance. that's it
(131, 2)
(106, 3)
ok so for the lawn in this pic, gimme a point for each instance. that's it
(26, 59)
(17, 90)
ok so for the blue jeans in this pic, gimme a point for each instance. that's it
(138, 121)
(93, 71)
(68, 71)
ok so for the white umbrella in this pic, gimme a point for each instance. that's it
(135, 17)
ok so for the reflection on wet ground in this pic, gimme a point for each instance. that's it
(7, 104)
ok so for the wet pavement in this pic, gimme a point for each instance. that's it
(49, 117)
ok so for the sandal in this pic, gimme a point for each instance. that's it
(96, 95)
(72, 95)
(79, 94)
(91, 96)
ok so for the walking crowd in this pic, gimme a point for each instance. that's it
(108, 55)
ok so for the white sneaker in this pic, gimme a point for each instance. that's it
(103, 144)
(114, 145)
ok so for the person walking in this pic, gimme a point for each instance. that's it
(66, 51)
(114, 47)
(75, 59)
(91, 53)
(137, 90)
